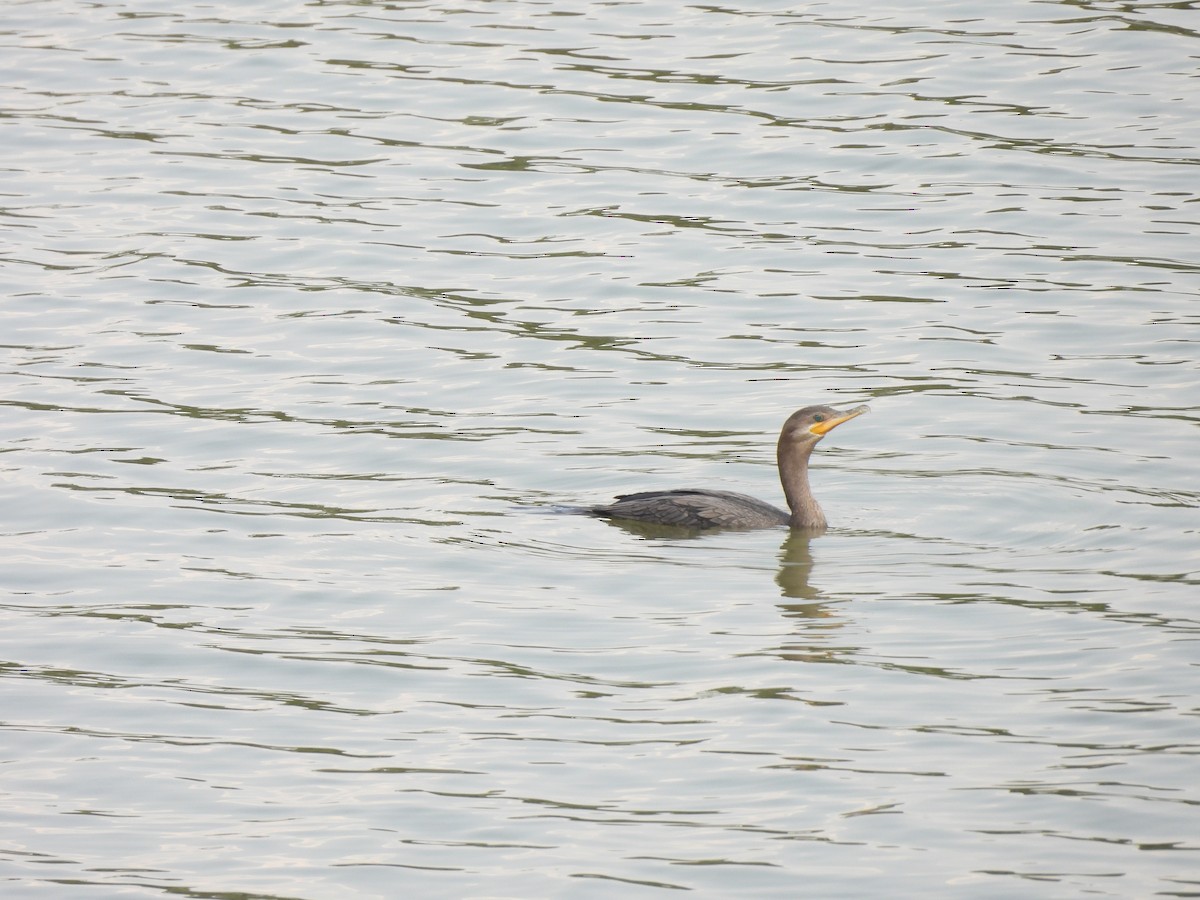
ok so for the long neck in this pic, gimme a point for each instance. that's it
(793, 473)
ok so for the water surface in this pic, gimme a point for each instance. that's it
(315, 312)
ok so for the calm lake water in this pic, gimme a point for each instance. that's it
(315, 311)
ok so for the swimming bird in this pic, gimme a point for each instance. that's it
(704, 508)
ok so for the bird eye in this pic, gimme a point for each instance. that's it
(819, 417)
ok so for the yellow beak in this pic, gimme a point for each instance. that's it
(828, 425)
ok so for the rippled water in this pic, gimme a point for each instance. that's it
(315, 312)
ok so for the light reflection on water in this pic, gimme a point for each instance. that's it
(315, 316)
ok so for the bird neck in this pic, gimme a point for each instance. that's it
(793, 474)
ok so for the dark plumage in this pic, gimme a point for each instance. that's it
(702, 508)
